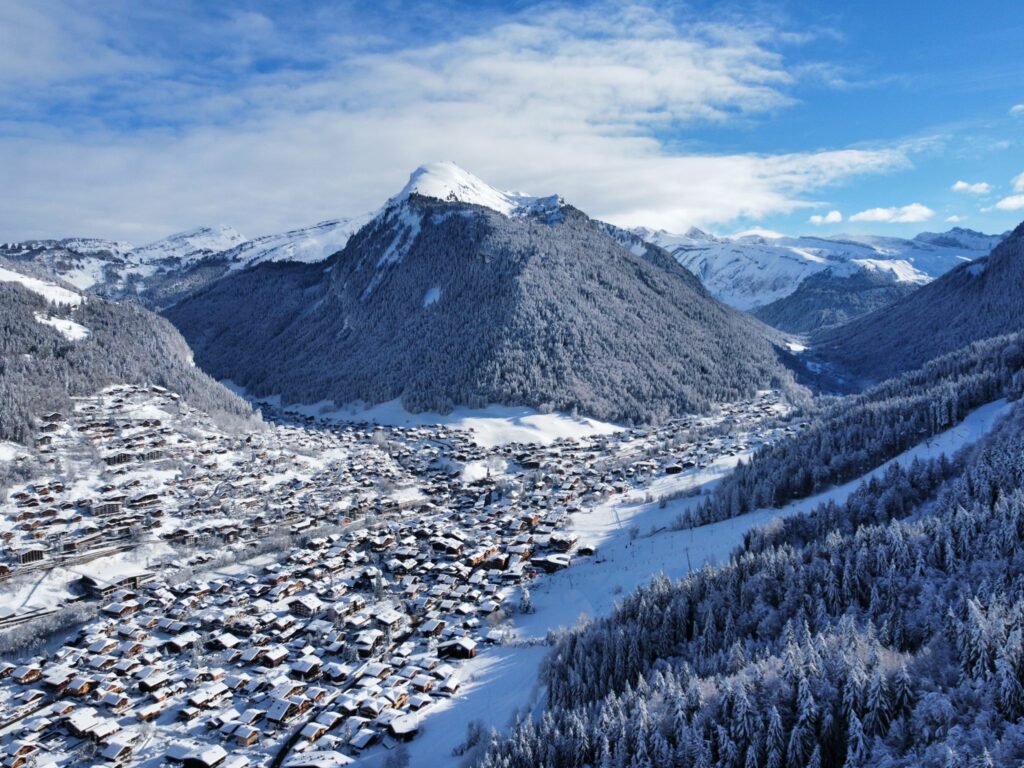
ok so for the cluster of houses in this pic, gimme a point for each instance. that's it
(338, 644)
(149, 468)
(349, 639)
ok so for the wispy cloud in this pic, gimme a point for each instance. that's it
(978, 188)
(271, 127)
(832, 217)
(906, 214)
(1011, 203)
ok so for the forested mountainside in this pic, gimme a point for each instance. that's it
(446, 302)
(50, 351)
(974, 301)
(825, 300)
(851, 435)
(883, 632)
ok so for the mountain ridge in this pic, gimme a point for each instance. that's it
(749, 271)
(447, 302)
(977, 300)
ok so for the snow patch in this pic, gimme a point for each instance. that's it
(49, 291)
(188, 247)
(69, 328)
(491, 426)
(432, 296)
(308, 245)
(408, 229)
(11, 451)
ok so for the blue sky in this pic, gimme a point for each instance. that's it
(132, 120)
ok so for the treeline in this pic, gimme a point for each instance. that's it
(885, 632)
(40, 368)
(853, 435)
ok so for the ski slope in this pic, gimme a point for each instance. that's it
(502, 681)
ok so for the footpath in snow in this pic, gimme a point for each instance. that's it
(634, 543)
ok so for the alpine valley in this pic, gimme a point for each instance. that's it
(478, 479)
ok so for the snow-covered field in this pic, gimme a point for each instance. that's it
(491, 426)
(502, 681)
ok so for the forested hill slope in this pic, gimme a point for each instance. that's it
(825, 300)
(975, 301)
(883, 632)
(445, 302)
(53, 348)
(855, 434)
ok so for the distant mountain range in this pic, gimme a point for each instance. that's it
(754, 270)
(745, 271)
(160, 273)
(972, 302)
(456, 293)
(825, 300)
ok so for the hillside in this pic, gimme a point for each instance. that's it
(481, 297)
(974, 301)
(56, 343)
(824, 300)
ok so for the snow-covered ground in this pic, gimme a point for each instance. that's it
(502, 681)
(71, 330)
(491, 426)
(10, 451)
(49, 291)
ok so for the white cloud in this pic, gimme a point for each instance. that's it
(907, 214)
(979, 188)
(954, 219)
(1017, 109)
(1011, 203)
(561, 101)
(832, 217)
(1018, 183)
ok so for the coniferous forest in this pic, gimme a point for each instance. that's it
(887, 631)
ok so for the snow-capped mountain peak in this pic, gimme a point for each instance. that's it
(448, 182)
